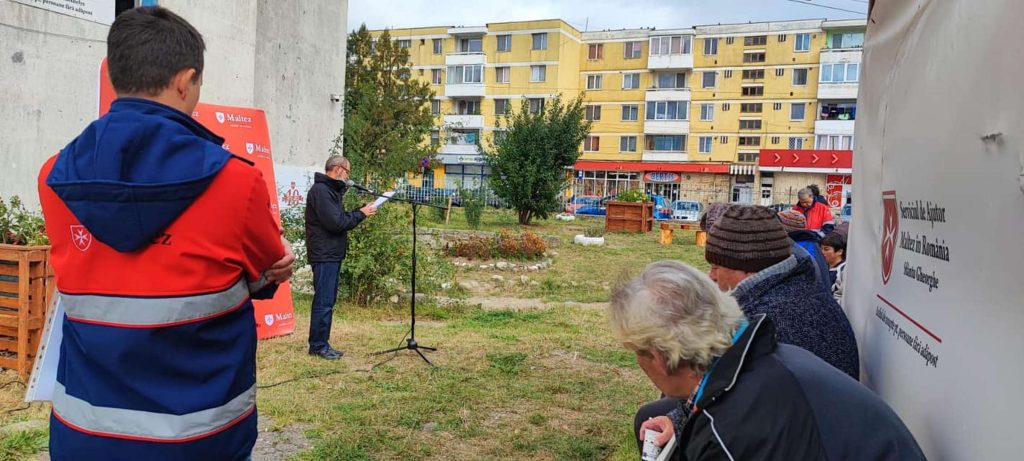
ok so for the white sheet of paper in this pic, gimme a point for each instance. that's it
(380, 200)
(44, 371)
(666, 451)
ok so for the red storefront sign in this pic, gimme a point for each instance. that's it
(661, 177)
(807, 161)
(653, 167)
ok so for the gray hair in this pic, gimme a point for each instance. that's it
(335, 161)
(676, 309)
(804, 193)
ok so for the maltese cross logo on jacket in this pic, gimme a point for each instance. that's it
(268, 319)
(220, 117)
(891, 226)
(249, 148)
(81, 237)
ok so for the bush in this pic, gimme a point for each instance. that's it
(473, 203)
(473, 247)
(593, 232)
(18, 226)
(635, 196)
(439, 209)
(293, 220)
(505, 245)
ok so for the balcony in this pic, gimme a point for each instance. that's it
(468, 31)
(833, 127)
(464, 121)
(667, 94)
(472, 58)
(464, 90)
(664, 156)
(670, 61)
(666, 126)
(839, 90)
(460, 149)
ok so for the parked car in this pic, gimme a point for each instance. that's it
(686, 210)
(581, 201)
(662, 210)
(597, 208)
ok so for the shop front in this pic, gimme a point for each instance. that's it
(673, 181)
(785, 172)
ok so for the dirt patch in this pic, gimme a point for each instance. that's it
(499, 303)
(276, 444)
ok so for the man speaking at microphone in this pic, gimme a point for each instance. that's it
(327, 226)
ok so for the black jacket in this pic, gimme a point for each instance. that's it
(770, 401)
(327, 222)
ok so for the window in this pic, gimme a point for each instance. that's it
(802, 43)
(847, 40)
(750, 124)
(796, 111)
(667, 110)
(404, 43)
(796, 143)
(672, 80)
(751, 108)
(748, 157)
(707, 112)
(436, 77)
(678, 44)
(435, 106)
(753, 57)
(725, 107)
(782, 38)
(593, 112)
(540, 41)
(633, 50)
(595, 82)
(780, 72)
(670, 143)
(595, 51)
(753, 90)
(466, 176)
(536, 105)
(753, 74)
(504, 43)
(728, 73)
(756, 40)
(592, 144)
(835, 142)
(777, 106)
(630, 112)
(839, 72)
(710, 46)
(500, 135)
(467, 107)
(538, 73)
(501, 74)
(704, 144)
(438, 46)
(723, 140)
(839, 111)
(630, 81)
(502, 107)
(800, 77)
(729, 40)
(708, 79)
(775, 139)
(627, 144)
(471, 45)
(750, 140)
(465, 74)
(435, 137)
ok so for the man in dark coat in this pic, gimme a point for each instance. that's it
(327, 226)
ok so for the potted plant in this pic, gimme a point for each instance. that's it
(631, 211)
(591, 236)
(26, 284)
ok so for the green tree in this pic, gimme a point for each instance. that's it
(528, 163)
(387, 111)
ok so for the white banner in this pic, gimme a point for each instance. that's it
(293, 182)
(936, 294)
(101, 11)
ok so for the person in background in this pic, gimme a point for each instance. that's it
(796, 226)
(818, 215)
(833, 246)
(816, 192)
(740, 393)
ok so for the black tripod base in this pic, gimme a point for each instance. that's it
(410, 345)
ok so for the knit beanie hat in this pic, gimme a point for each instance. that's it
(747, 238)
(793, 220)
(707, 220)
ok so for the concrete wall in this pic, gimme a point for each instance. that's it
(277, 56)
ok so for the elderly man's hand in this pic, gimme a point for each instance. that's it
(282, 269)
(661, 424)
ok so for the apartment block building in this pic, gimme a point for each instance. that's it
(742, 112)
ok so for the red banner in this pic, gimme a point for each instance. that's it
(246, 135)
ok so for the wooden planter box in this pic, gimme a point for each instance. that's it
(26, 286)
(629, 217)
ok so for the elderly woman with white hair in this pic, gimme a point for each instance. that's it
(746, 396)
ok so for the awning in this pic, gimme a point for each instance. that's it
(590, 165)
(807, 161)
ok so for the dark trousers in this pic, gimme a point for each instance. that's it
(325, 293)
(653, 409)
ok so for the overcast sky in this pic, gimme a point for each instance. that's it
(592, 14)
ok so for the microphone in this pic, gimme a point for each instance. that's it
(352, 184)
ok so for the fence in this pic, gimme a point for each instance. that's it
(430, 194)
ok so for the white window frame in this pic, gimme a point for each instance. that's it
(543, 37)
(595, 51)
(502, 101)
(595, 82)
(806, 73)
(457, 74)
(631, 109)
(711, 46)
(404, 43)
(633, 50)
(438, 45)
(684, 105)
(542, 70)
(707, 112)
(436, 76)
(796, 142)
(588, 143)
(435, 106)
(803, 113)
(592, 112)
(704, 81)
(507, 38)
(630, 143)
(802, 39)
(498, 71)
(634, 78)
(704, 144)
(539, 102)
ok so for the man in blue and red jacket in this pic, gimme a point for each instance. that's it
(160, 241)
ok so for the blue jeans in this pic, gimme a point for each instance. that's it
(325, 293)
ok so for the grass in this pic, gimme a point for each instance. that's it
(547, 383)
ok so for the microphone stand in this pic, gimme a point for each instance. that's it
(410, 342)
